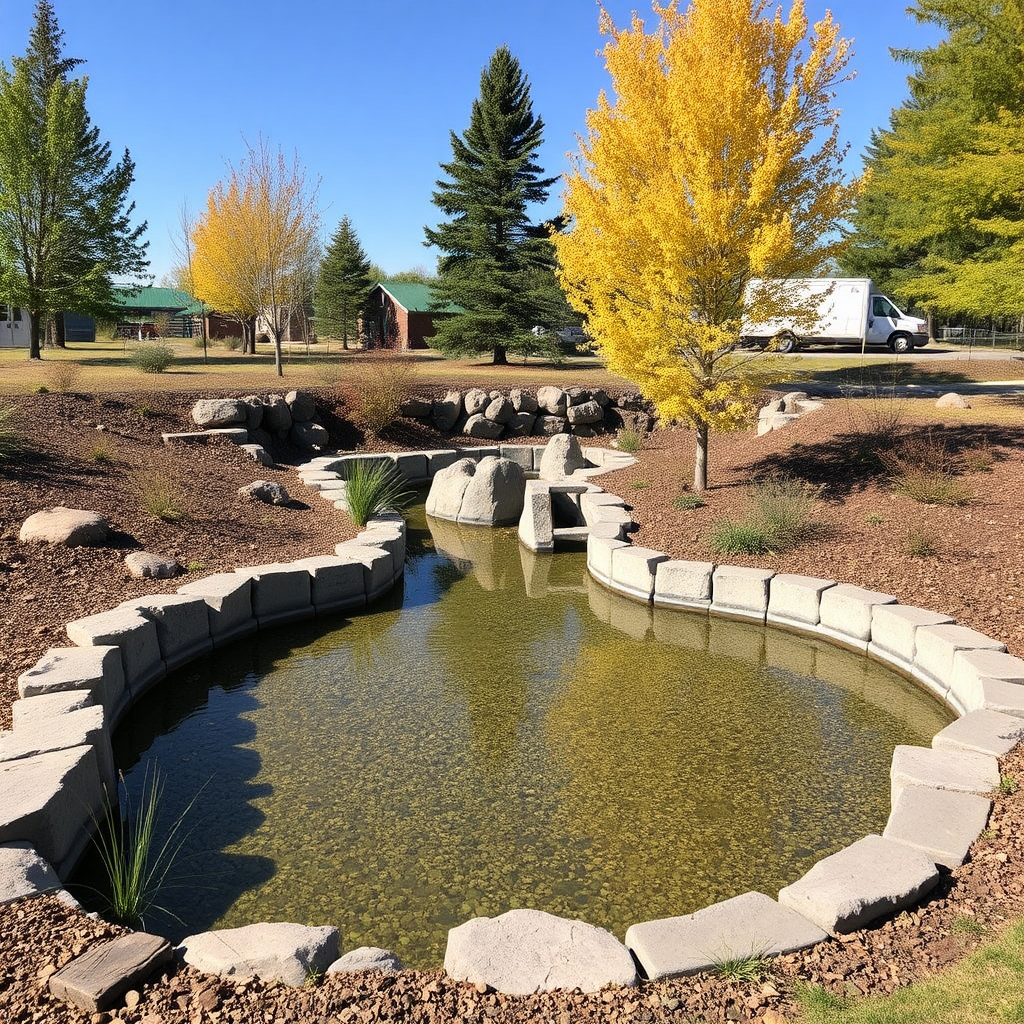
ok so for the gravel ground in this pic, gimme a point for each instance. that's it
(863, 536)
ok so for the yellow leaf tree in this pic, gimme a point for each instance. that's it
(255, 245)
(717, 161)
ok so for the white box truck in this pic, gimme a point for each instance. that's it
(832, 311)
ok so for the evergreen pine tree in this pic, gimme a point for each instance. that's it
(343, 285)
(490, 249)
(65, 229)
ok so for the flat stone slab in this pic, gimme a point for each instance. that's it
(367, 958)
(49, 705)
(867, 880)
(282, 951)
(940, 823)
(24, 873)
(683, 584)
(751, 925)
(73, 527)
(99, 670)
(526, 951)
(964, 771)
(96, 980)
(983, 731)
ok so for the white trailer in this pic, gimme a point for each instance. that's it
(15, 327)
(828, 311)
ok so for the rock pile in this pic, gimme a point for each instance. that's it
(287, 417)
(493, 415)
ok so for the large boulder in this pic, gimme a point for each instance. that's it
(309, 436)
(527, 951)
(449, 485)
(476, 400)
(522, 401)
(211, 413)
(499, 410)
(478, 425)
(302, 405)
(552, 400)
(447, 411)
(585, 412)
(277, 417)
(551, 425)
(521, 424)
(562, 457)
(253, 406)
(73, 527)
(417, 408)
(494, 496)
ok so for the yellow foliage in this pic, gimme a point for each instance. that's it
(717, 161)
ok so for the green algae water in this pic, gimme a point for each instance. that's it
(503, 732)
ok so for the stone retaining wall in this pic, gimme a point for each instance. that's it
(55, 765)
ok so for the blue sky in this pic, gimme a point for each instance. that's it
(366, 92)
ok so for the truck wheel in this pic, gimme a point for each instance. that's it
(901, 343)
(784, 342)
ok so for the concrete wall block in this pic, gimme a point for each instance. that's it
(796, 600)
(412, 466)
(335, 582)
(51, 801)
(228, 598)
(378, 572)
(280, 592)
(182, 625)
(941, 823)
(520, 454)
(344, 465)
(633, 570)
(84, 727)
(50, 705)
(963, 771)
(599, 556)
(440, 459)
(97, 669)
(133, 633)
(894, 629)
(974, 672)
(536, 528)
(936, 646)
(24, 873)
(682, 584)
(984, 731)
(845, 611)
(741, 591)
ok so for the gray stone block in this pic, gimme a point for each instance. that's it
(85, 727)
(182, 625)
(134, 634)
(845, 613)
(99, 670)
(633, 570)
(987, 679)
(681, 584)
(740, 591)
(964, 771)
(526, 951)
(935, 648)
(536, 528)
(795, 600)
(520, 454)
(983, 731)
(440, 459)
(24, 873)
(599, 556)
(378, 567)
(280, 592)
(867, 880)
(49, 705)
(280, 951)
(751, 925)
(412, 466)
(96, 980)
(335, 582)
(894, 629)
(367, 958)
(51, 801)
(228, 598)
(941, 823)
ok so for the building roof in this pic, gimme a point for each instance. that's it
(146, 299)
(416, 298)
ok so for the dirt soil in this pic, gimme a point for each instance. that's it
(104, 453)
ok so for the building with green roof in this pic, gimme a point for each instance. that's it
(401, 315)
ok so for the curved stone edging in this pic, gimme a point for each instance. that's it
(56, 762)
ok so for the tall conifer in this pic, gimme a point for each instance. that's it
(490, 249)
(343, 285)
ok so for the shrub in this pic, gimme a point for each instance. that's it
(777, 520)
(377, 386)
(629, 440)
(161, 494)
(919, 543)
(923, 470)
(12, 441)
(63, 375)
(732, 538)
(978, 459)
(232, 342)
(374, 487)
(152, 358)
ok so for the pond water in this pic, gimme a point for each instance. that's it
(503, 732)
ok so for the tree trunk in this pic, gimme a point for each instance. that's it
(500, 356)
(700, 462)
(59, 336)
(278, 332)
(35, 332)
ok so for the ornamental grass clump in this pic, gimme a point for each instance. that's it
(372, 488)
(160, 494)
(152, 358)
(922, 469)
(12, 441)
(778, 519)
(377, 386)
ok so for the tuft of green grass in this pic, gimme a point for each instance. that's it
(640, 485)
(921, 469)
(732, 538)
(688, 502)
(874, 519)
(374, 487)
(101, 453)
(778, 519)
(160, 494)
(629, 440)
(12, 441)
(745, 968)
(1008, 785)
(152, 358)
(919, 543)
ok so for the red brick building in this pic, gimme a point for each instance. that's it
(399, 316)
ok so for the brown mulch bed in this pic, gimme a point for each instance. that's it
(863, 537)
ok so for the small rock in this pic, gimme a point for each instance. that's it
(132, 998)
(145, 565)
(952, 401)
(269, 491)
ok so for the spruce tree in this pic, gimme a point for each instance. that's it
(65, 230)
(490, 250)
(343, 285)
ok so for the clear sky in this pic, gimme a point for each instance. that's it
(366, 92)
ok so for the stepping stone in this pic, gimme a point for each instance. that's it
(526, 951)
(282, 951)
(940, 823)
(869, 879)
(751, 925)
(72, 527)
(98, 979)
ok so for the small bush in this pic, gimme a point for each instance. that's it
(101, 453)
(629, 440)
(919, 543)
(152, 358)
(160, 494)
(12, 441)
(688, 502)
(1007, 785)
(923, 470)
(374, 487)
(979, 459)
(778, 519)
(732, 538)
(377, 386)
(63, 375)
(232, 342)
